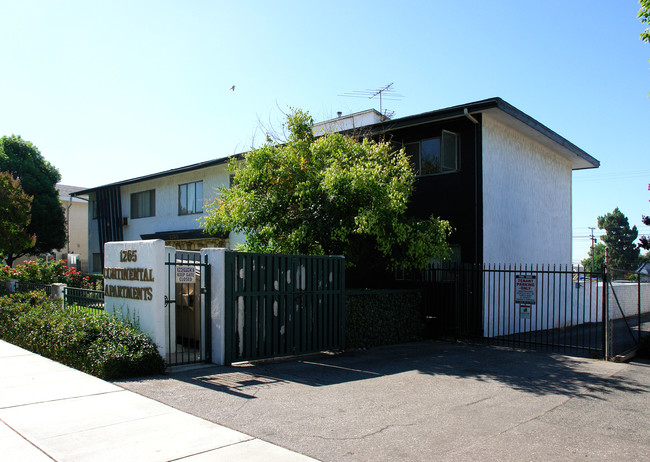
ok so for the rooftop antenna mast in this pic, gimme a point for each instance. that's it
(385, 93)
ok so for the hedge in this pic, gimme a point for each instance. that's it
(376, 317)
(95, 343)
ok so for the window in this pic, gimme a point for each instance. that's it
(190, 198)
(434, 155)
(143, 204)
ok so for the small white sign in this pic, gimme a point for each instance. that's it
(185, 275)
(526, 289)
(524, 311)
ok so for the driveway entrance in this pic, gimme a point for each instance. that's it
(426, 401)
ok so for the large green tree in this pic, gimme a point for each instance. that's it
(619, 239)
(38, 179)
(332, 195)
(15, 208)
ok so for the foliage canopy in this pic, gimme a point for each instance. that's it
(38, 179)
(644, 16)
(15, 208)
(619, 239)
(332, 195)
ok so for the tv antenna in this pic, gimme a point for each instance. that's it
(385, 93)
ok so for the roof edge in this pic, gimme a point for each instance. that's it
(153, 176)
(479, 107)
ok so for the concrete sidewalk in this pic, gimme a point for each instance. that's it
(52, 412)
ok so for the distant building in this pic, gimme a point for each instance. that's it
(500, 177)
(75, 208)
(350, 122)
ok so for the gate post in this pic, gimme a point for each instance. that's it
(605, 316)
(217, 291)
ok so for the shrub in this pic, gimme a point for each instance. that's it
(48, 272)
(376, 318)
(96, 343)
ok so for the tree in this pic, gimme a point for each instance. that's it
(619, 239)
(595, 259)
(334, 195)
(38, 179)
(15, 208)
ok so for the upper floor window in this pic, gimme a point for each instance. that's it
(143, 204)
(190, 198)
(435, 155)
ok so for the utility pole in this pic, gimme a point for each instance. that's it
(593, 241)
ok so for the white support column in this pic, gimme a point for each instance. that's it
(58, 292)
(217, 260)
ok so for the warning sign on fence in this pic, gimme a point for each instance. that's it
(525, 289)
(185, 275)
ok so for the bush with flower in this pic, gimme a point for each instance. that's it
(48, 272)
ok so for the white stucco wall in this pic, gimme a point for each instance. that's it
(526, 199)
(167, 217)
(138, 296)
(348, 122)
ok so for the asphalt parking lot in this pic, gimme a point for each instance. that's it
(425, 401)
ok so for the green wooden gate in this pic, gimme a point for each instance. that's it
(282, 305)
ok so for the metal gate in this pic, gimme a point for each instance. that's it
(280, 305)
(188, 309)
(628, 298)
(538, 307)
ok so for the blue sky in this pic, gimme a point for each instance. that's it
(115, 90)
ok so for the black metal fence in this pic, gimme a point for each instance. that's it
(83, 299)
(561, 309)
(188, 309)
(74, 298)
(539, 307)
(628, 299)
(29, 286)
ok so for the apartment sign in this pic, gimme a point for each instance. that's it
(525, 289)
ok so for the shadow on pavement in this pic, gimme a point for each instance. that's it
(536, 373)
